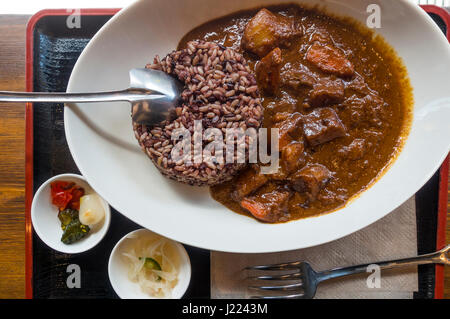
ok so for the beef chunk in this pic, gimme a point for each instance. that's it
(292, 157)
(288, 127)
(268, 71)
(327, 91)
(322, 125)
(355, 150)
(279, 117)
(266, 31)
(320, 35)
(358, 85)
(370, 110)
(311, 180)
(298, 75)
(269, 207)
(248, 182)
(330, 60)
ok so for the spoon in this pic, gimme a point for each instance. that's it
(154, 96)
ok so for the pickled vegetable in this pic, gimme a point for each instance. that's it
(91, 209)
(67, 216)
(66, 195)
(144, 254)
(75, 231)
(151, 264)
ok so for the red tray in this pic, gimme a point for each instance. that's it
(29, 133)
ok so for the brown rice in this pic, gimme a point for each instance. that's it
(221, 91)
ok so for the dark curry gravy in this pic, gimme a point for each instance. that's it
(374, 108)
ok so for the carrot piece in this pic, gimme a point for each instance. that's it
(256, 209)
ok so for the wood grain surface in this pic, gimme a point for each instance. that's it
(12, 159)
(12, 163)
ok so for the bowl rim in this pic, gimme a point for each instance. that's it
(181, 250)
(103, 231)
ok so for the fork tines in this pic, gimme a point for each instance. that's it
(278, 288)
(291, 276)
(282, 266)
(295, 290)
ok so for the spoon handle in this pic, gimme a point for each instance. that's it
(60, 97)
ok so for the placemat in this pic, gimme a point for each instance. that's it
(392, 237)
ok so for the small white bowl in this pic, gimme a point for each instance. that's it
(126, 289)
(44, 216)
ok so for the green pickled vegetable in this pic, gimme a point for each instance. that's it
(67, 216)
(151, 264)
(74, 232)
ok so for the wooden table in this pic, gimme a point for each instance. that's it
(12, 163)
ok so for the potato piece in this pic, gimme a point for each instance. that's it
(266, 31)
(268, 71)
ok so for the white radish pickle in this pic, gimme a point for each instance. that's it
(91, 210)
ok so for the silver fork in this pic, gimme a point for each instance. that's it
(304, 280)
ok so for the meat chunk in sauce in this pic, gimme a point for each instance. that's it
(329, 60)
(268, 207)
(311, 180)
(327, 91)
(292, 156)
(268, 71)
(322, 125)
(370, 110)
(279, 117)
(355, 150)
(298, 75)
(248, 182)
(266, 31)
(287, 128)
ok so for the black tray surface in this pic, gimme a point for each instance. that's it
(56, 49)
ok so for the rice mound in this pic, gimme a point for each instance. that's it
(221, 92)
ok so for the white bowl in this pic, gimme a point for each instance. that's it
(44, 216)
(126, 289)
(102, 143)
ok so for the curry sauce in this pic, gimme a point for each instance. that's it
(338, 93)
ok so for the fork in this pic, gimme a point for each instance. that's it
(304, 280)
